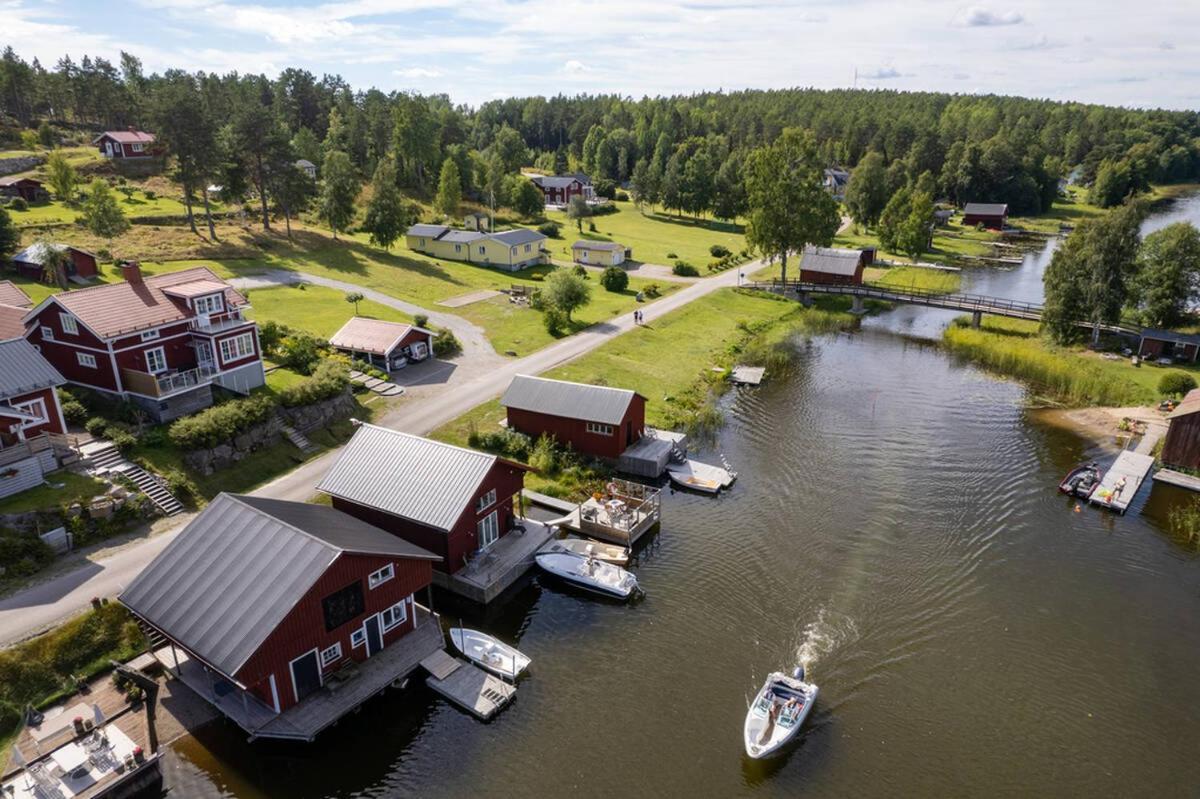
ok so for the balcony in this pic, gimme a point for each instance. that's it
(164, 385)
(209, 325)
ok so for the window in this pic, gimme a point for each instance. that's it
(342, 606)
(486, 501)
(528, 248)
(156, 361)
(358, 638)
(420, 242)
(457, 247)
(331, 655)
(378, 578)
(149, 335)
(86, 359)
(68, 324)
(489, 530)
(210, 303)
(237, 347)
(514, 250)
(396, 615)
(600, 429)
(34, 408)
(482, 249)
(48, 333)
(137, 147)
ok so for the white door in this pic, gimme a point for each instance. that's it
(489, 530)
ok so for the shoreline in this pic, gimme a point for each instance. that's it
(1100, 424)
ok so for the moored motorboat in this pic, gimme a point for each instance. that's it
(489, 652)
(609, 553)
(1081, 481)
(589, 573)
(777, 712)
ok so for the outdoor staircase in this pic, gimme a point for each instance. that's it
(154, 639)
(299, 441)
(104, 457)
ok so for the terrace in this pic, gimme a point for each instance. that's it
(489, 572)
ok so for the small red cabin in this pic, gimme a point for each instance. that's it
(30, 262)
(992, 216)
(451, 501)
(559, 189)
(595, 420)
(830, 265)
(125, 144)
(28, 189)
(383, 344)
(1178, 347)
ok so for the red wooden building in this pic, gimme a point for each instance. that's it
(28, 189)
(125, 144)
(160, 341)
(385, 345)
(595, 420)
(1182, 444)
(1181, 347)
(30, 262)
(14, 304)
(451, 501)
(28, 400)
(559, 189)
(830, 265)
(264, 602)
(991, 215)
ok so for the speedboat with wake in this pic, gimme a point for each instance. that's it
(777, 712)
(489, 652)
(1081, 481)
(589, 573)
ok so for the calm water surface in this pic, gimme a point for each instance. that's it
(896, 526)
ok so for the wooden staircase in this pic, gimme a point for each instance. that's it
(104, 457)
(299, 440)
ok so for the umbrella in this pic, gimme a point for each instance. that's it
(97, 715)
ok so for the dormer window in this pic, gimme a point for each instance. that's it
(69, 325)
(208, 304)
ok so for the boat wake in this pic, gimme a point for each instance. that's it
(823, 635)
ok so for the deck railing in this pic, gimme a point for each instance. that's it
(166, 384)
(61, 444)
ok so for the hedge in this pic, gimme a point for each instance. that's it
(327, 381)
(220, 423)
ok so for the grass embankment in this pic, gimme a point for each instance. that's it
(671, 362)
(898, 277)
(74, 488)
(315, 309)
(1069, 375)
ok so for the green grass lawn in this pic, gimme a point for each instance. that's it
(316, 309)
(75, 488)
(912, 277)
(136, 205)
(655, 237)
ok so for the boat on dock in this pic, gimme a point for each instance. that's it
(589, 573)
(489, 652)
(609, 553)
(1121, 482)
(1081, 481)
(777, 713)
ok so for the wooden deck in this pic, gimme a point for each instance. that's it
(504, 562)
(1122, 480)
(473, 689)
(1172, 477)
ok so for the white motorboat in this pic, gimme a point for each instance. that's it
(490, 653)
(589, 573)
(777, 713)
(609, 553)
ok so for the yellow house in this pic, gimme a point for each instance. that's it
(509, 250)
(598, 253)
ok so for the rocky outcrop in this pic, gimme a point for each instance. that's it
(24, 163)
(307, 418)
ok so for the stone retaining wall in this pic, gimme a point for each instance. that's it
(24, 163)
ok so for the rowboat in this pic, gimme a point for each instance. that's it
(1081, 481)
(589, 573)
(609, 553)
(777, 712)
(490, 653)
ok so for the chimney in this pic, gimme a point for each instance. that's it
(131, 271)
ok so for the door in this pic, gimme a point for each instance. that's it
(489, 530)
(374, 636)
(306, 675)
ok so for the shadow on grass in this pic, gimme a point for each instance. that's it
(706, 224)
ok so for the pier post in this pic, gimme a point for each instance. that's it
(976, 319)
(857, 306)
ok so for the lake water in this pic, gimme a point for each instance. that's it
(895, 525)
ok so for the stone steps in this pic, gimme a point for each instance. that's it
(105, 459)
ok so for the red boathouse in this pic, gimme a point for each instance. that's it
(992, 216)
(596, 420)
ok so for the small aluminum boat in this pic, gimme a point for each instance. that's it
(488, 652)
(777, 712)
(609, 553)
(1081, 481)
(589, 573)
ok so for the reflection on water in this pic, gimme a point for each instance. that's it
(896, 526)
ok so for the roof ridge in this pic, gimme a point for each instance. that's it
(430, 440)
(238, 498)
(576, 383)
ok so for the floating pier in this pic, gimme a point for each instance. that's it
(747, 375)
(1172, 477)
(467, 685)
(700, 476)
(1122, 481)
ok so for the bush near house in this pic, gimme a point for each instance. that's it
(220, 423)
(326, 382)
(684, 269)
(1176, 384)
(614, 278)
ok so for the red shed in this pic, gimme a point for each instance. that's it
(264, 602)
(829, 265)
(452, 501)
(1182, 444)
(991, 215)
(386, 345)
(125, 144)
(1154, 344)
(27, 189)
(30, 262)
(595, 420)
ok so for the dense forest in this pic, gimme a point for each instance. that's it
(687, 153)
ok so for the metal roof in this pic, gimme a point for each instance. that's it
(408, 476)
(376, 336)
(433, 231)
(37, 252)
(12, 294)
(1170, 335)
(568, 400)
(23, 369)
(597, 245)
(518, 236)
(126, 136)
(830, 260)
(461, 236)
(554, 181)
(986, 209)
(235, 572)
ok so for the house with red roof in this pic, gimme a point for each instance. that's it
(161, 342)
(125, 144)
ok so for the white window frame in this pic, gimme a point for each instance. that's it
(28, 407)
(69, 325)
(486, 501)
(599, 429)
(47, 333)
(150, 335)
(402, 608)
(331, 655)
(358, 638)
(458, 248)
(488, 527)
(528, 248)
(232, 349)
(137, 147)
(482, 250)
(208, 304)
(381, 576)
(86, 359)
(161, 352)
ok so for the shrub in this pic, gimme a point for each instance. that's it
(73, 411)
(652, 290)
(19, 204)
(578, 269)
(421, 320)
(270, 334)
(1176, 384)
(605, 187)
(614, 278)
(301, 351)
(150, 195)
(121, 438)
(104, 255)
(591, 227)
(96, 427)
(220, 423)
(23, 555)
(555, 320)
(684, 269)
(718, 251)
(550, 230)
(446, 344)
(671, 256)
(508, 443)
(604, 210)
(544, 456)
(327, 381)
(181, 486)
(621, 196)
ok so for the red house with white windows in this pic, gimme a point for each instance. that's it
(125, 144)
(596, 420)
(28, 402)
(559, 189)
(161, 342)
(451, 501)
(286, 616)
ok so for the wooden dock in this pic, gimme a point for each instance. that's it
(747, 375)
(1172, 477)
(467, 685)
(1122, 481)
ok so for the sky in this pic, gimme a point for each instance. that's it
(1119, 52)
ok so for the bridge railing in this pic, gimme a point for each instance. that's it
(980, 302)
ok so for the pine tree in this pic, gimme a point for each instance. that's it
(449, 193)
(339, 189)
(387, 214)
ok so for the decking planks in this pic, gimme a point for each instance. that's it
(1122, 481)
(474, 690)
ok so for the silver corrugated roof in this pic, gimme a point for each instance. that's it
(235, 572)
(569, 400)
(986, 209)
(23, 369)
(830, 260)
(518, 236)
(597, 245)
(418, 479)
(432, 231)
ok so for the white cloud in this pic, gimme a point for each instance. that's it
(417, 72)
(575, 67)
(1042, 42)
(976, 17)
(881, 73)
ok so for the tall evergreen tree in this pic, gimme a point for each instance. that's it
(339, 189)
(449, 193)
(387, 214)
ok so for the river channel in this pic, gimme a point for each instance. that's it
(895, 525)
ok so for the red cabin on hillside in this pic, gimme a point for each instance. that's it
(125, 144)
(31, 261)
(28, 189)
(451, 501)
(263, 602)
(992, 216)
(559, 189)
(595, 420)
(28, 401)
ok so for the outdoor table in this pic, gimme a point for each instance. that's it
(70, 758)
(614, 505)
